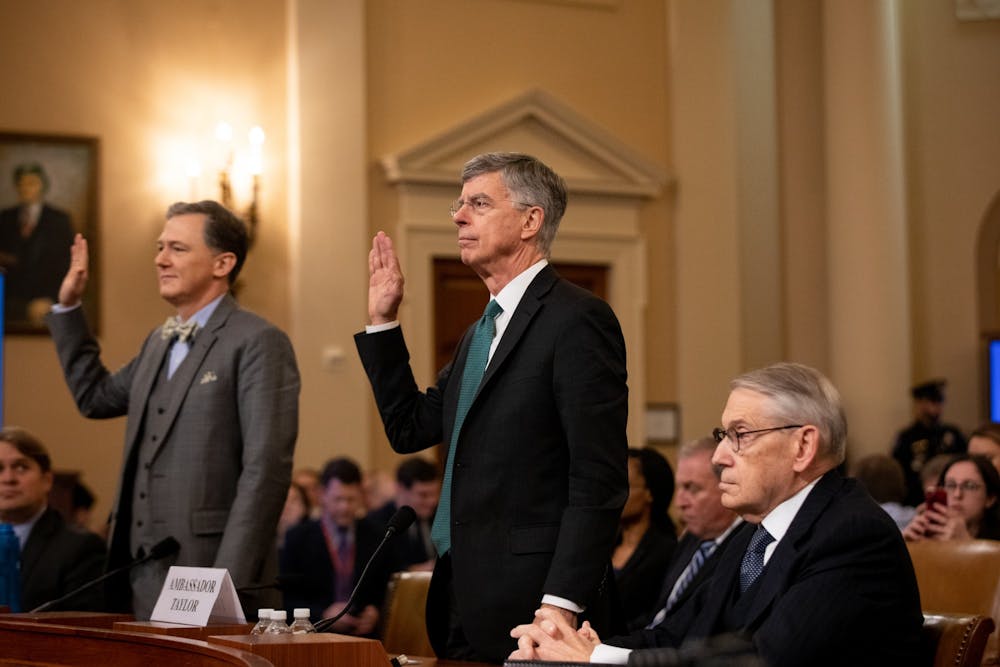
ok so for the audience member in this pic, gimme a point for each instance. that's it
(81, 506)
(418, 484)
(646, 538)
(296, 511)
(930, 474)
(379, 489)
(881, 475)
(925, 438)
(56, 558)
(708, 525)
(309, 479)
(985, 441)
(324, 558)
(818, 575)
(531, 411)
(211, 404)
(972, 486)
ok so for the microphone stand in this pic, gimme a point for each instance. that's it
(160, 550)
(326, 624)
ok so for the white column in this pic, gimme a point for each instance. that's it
(866, 219)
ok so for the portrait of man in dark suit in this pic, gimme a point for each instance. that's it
(532, 410)
(211, 401)
(35, 238)
(817, 575)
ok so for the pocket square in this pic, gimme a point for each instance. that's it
(209, 376)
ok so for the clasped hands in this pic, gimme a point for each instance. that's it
(551, 637)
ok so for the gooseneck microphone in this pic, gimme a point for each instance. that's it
(399, 522)
(168, 546)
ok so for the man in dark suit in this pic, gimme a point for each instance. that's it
(418, 485)
(535, 477)
(708, 525)
(212, 406)
(324, 558)
(819, 574)
(55, 557)
(34, 248)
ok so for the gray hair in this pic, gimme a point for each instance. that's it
(802, 395)
(531, 182)
(704, 445)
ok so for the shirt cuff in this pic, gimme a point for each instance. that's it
(562, 603)
(376, 328)
(610, 655)
(59, 308)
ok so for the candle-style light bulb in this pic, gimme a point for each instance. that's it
(256, 138)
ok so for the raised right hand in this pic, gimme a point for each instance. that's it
(75, 282)
(385, 281)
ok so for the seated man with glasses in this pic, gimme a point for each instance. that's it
(819, 574)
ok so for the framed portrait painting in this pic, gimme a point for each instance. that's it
(48, 193)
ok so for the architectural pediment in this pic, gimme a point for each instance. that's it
(588, 157)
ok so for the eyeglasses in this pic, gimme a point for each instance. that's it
(968, 486)
(735, 436)
(479, 204)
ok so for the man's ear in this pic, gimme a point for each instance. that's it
(532, 222)
(807, 448)
(223, 264)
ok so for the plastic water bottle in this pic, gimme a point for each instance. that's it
(278, 625)
(301, 624)
(263, 620)
(10, 568)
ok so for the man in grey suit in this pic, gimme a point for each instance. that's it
(212, 406)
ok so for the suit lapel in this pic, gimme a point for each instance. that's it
(531, 303)
(775, 577)
(145, 376)
(721, 585)
(38, 537)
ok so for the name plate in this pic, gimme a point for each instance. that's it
(198, 596)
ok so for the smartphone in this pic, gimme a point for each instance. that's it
(936, 496)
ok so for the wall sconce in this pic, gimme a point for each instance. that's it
(235, 165)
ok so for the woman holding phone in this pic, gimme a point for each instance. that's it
(967, 510)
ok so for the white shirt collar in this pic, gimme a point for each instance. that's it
(780, 518)
(23, 530)
(203, 315)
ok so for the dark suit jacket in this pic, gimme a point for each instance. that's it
(540, 472)
(40, 261)
(57, 559)
(838, 590)
(682, 556)
(306, 563)
(220, 472)
(639, 581)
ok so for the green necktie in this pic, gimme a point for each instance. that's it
(472, 375)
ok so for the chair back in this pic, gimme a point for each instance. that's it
(960, 577)
(404, 629)
(956, 640)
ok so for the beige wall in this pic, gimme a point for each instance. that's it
(337, 85)
(952, 102)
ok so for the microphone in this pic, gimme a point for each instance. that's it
(399, 522)
(168, 546)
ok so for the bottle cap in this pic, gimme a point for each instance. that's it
(301, 612)
(279, 615)
(264, 613)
